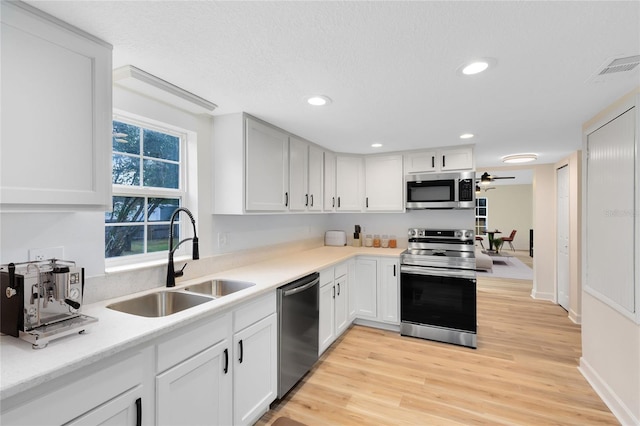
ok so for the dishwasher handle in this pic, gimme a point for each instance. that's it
(295, 290)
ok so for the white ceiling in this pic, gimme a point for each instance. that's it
(390, 67)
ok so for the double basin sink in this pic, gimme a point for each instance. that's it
(163, 303)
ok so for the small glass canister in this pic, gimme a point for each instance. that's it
(393, 242)
(376, 240)
(368, 241)
(384, 242)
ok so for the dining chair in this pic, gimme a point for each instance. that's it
(510, 238)
(479, 238)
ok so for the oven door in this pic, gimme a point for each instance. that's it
(438, 297)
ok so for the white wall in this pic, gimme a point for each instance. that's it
(511, 207)
(610, 340)
(544, 232)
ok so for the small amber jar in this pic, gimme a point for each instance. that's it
(393, 243)
(376, 240)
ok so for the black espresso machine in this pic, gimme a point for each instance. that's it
(41, 300)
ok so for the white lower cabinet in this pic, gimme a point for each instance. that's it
(196, 391)
(334, 305)
(115, 391)
(377, 289)
(255, 359)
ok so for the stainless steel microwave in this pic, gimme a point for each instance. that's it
(441, 191)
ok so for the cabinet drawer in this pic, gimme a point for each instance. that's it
(254, 311)
(326, 277)
(340, 270)
(190, 340)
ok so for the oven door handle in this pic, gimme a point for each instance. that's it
(436, 272)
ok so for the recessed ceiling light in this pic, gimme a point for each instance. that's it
(318, 100)
(519, 158)
(466, 136)
(376, 145)
(476, 66)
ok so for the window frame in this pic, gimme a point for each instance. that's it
(182, 192)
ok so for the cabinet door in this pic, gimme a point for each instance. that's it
(349, 183)
(298, 174)
(351, 293)
(456, 159)
(123, 410)
(196, 391)
(315, 178)
(341, 308)
(255, 362)
(366, 288)
(384, 183)
(420, 162)
(267, 168)
(330, 203)
(326, 325)
(389, 290)
(56, 113)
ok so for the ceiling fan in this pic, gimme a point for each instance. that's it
(486, 188)
(486, 178)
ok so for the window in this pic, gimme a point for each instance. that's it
(148, 185)
(482, 215)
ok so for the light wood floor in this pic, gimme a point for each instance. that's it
(524, 372)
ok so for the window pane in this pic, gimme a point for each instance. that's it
(126, 170)
(158, 237)
(126, 209)
(482, 202)
(482, 211)
(123, 240)
(126, 138)
(161, 145)
(161, 209)
(161, 175)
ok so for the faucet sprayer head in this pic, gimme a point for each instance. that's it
(195, 249)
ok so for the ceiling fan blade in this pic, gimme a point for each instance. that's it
(503, 177)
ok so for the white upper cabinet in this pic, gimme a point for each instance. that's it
(56, 114)
(329, 204)
(305, 175)
(267, 168)
(384, 184)
(316, 175)
(298, 174)
(349, 183)
(459, 158)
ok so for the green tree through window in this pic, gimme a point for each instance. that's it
(145, 173)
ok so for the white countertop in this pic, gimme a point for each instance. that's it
(24, 368)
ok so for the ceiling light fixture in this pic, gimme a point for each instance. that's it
(466, 136)
(519, 158)
(476, 66)
(376, 145)
(318, 100)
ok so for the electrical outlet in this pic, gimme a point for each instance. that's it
(46, 253)
(223, 239)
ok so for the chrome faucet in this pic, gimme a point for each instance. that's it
(195, 252)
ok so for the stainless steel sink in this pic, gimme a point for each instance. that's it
(159, 304)
(219, 288)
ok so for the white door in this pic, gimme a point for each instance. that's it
(125, 409)
(267, 168)
(329, 204)
(341, 306)
(349, 183)
(255, 375)
(384, 183)
(326, 324)
(366, 287)
(389, 291)
(562, 233)
(196, 391)
(298, 174)
(316, 164)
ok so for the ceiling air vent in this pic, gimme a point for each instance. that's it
(615, 68)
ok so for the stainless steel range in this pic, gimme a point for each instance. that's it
(438, 286)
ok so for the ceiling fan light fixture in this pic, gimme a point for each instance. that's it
(519, 158)
(318, 100)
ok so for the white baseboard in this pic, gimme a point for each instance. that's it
(608, 396)
(538, 295)
(377, 324)
(575, 317)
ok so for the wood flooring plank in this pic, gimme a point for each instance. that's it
(524, 372)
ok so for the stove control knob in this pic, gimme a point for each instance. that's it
(412, 232)
(458, 234)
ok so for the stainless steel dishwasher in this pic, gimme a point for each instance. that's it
(298, 316)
